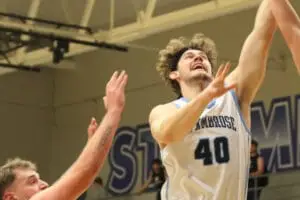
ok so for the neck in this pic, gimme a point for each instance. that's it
(191, 90)
(253, 154)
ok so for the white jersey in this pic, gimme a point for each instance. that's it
(212, 161)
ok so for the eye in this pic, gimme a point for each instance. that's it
(33, 181)
(203, 56)
(189, 56)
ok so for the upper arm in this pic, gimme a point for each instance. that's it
(260, 165)
(156, 118)
(251, 68)
(253, 58)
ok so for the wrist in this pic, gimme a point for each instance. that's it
(205, 97)
(116, 112)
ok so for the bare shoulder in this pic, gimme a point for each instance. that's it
(161, 110)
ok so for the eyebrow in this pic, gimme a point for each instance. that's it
(199, 53)
(32, 176)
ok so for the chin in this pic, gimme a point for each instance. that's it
(203, 76)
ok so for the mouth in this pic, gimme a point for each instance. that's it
(197, 66)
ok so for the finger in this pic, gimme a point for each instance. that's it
(231, 86)
(105, 101)
(92, 121)
(220, 70)
(120, 78)
(226, 69)
(113, 77)
(124, 82)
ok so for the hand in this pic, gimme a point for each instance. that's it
(92, 128)
(217, 87)
(105, 102)
(115, 92)
(139, 192)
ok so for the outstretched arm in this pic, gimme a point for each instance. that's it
(289, 24)
(169, 124)
(251, 68)
(84, 170)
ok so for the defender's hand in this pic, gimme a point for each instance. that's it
(115, 92)
(92, 127)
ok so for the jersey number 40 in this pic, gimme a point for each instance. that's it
(221, 151)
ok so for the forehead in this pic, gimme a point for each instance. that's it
(22, 174)
(194, 51)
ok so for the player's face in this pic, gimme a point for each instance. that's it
(156, 167)
(193, 65)
(26, 184)
(253, 148)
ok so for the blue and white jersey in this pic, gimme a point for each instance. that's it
(212, 161)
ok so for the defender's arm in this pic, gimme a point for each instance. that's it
(289, 24)
(82, 173)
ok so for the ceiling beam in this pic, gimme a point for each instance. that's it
(87, 14)
(135, 31)
(32, 13)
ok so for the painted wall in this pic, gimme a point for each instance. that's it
(26, 117)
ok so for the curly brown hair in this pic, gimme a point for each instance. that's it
(169, 57)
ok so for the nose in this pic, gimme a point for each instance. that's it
(43, 185)
(198, 58)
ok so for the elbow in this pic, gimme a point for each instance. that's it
(164, 137)
(265, 31)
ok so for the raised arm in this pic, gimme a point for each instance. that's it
(251, 68)
(289, 24)
(169, 124)
(84, 170)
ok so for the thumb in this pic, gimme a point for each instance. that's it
(105, 101)
(93, 120)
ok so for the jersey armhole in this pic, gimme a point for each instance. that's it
(236, 102)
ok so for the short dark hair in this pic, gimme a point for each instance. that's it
(254, 142)
(156, 161)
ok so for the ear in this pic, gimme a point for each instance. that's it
(174, 75)
(8, 196)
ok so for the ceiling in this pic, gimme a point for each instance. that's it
(113, 21)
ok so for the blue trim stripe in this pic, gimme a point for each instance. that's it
(167, 188)
(239, 111)
(179, 102)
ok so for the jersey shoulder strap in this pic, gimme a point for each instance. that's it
(180, 102)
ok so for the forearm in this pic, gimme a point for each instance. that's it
(144, 186)
(286, 18)
(95, 152)
(289, 24)
(253, 59)
(177, 125)
(265, 23)
(257, 173)
(81, 174)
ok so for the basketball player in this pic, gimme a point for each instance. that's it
(289, 24)
(19, 179)
(204, 135)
